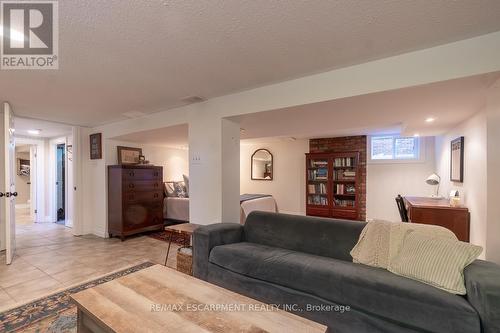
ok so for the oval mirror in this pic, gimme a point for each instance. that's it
(262, 165)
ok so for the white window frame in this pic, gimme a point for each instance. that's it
(420, 147)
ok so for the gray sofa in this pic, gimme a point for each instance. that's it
(305, 262)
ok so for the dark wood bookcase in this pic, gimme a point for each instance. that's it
(332, 185)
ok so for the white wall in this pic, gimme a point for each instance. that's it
(70, 203)
(420, 67)
(384, 181)
(473, 190)
(493, 169)
(174, 161)
(230, 171)
(288, 185)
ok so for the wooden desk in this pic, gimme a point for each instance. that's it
(439, 212)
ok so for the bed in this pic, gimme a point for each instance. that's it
(177, 209)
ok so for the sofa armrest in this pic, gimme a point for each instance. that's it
(482, 281)
(208, 237)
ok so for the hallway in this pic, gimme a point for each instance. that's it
(49, 258)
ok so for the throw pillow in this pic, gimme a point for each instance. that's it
(170, 189)
(180, 189)
(434, 260)
(399, 230)
(380, 241)
(186, 182)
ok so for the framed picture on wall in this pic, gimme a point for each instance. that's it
(457, 160)
(23, 167)
(96, 146)
(129, 155)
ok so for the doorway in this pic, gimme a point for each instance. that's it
(61, 183)
(25, 202)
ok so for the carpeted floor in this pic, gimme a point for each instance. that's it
(55, 313)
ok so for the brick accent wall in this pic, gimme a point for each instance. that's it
(346, 144)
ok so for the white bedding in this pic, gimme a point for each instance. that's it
(178, 208)
(266, 204)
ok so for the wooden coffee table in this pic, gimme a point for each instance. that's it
(160, 299)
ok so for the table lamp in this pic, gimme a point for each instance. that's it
(434, 179)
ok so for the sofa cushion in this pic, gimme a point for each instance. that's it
(315, 235)
(372, 290)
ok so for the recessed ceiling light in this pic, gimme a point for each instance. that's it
(416, 135)
(34, 131)
(429, 120)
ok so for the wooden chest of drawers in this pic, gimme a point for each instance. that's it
(135, 199)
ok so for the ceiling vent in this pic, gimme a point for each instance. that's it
(193, 99)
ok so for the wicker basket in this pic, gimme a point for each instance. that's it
(185, 260)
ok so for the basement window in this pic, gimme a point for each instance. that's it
(394, 147)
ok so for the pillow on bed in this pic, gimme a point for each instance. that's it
(175, 190)
(186, 183)
(180, 190)
(170, 189)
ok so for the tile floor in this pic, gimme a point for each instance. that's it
(49, 258)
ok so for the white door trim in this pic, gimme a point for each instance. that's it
(9, 214)
(53, 177)
(76, 191)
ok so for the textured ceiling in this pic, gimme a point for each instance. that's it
(173, 136)
(118, 56)
(402, 110)
(47, 129)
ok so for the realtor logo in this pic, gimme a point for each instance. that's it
(29, 35)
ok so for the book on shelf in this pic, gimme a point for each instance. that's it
(345, 203)
(345, 175)
(344, 162)
(318, 164)
(345, 189)
(317, 200)
(318, 174)
(317, 188)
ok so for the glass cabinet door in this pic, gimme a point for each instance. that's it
(317, 182)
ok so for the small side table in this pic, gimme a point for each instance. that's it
(185, 228)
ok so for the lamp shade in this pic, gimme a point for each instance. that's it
(433, 179)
